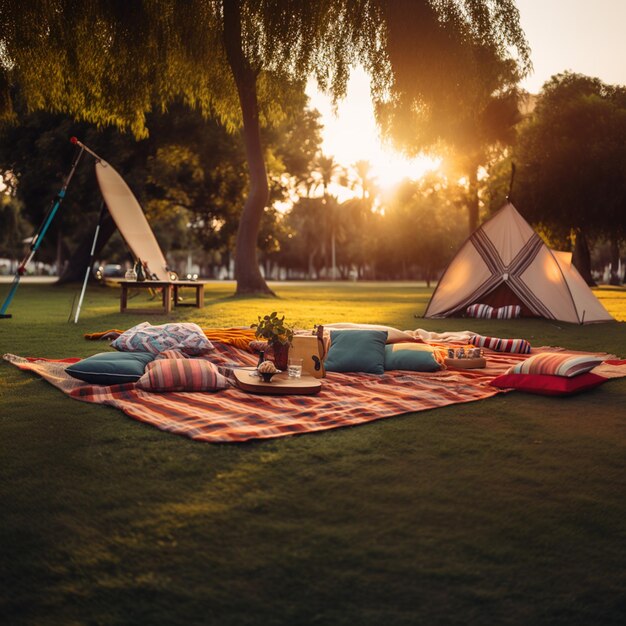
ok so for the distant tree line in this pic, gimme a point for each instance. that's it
(570, 157)
(190, 176)
(237, 61)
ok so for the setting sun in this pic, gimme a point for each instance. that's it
(350, 134)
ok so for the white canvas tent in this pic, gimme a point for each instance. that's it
(505, 262)
(130, 219)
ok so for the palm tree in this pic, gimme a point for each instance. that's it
(328, 169)
(365, 180)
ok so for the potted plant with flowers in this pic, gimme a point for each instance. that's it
(278, 336)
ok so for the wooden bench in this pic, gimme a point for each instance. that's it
(170, 293)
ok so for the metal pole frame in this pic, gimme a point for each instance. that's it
(91, 257)
(38, 237)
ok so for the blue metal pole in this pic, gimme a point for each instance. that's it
(38, 238)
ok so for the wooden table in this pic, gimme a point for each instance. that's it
(170, 292)
(281, 384)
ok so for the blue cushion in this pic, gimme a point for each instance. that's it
(417, 357)
(357, 351)
(111, 368)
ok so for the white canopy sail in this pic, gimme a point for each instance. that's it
(130, 220)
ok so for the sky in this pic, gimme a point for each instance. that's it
(584, 36)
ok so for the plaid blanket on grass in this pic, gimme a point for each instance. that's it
(233, 415)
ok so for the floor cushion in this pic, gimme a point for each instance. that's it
(519, 346)
(356, 351)
(111, 368)
(557, 364)
(509, 312)
(182, 375)
(416, 357)
(484, 311)
(172, 354)
(479, 310)
(185, 336)
(546, 385)
(393, 334)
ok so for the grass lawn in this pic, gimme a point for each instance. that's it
(510, 510)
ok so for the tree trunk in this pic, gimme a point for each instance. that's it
(333, 255)
(75, 269)
(247, 272)
(311, 267)
(472, 199)
(615, 277)
(581, 257)
(59, 253)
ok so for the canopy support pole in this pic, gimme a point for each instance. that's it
(38, 237)
(91, 257)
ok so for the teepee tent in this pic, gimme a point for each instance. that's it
(130, 219)
(505, 262)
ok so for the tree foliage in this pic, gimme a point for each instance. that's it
(571, 159)
(410, 233)
(189, 176)
(474, 115)
(113, 61)
(13, 228)
(422, 228)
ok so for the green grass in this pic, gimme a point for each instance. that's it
(505, 511)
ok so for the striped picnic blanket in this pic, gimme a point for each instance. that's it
(233, 415)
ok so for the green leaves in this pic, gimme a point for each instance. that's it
(273, 329)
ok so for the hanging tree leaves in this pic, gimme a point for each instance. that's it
(112, 61)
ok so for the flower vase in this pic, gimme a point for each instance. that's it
(281, 355)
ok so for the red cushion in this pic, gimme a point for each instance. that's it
(546, 385)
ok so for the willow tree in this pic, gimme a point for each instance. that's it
(112, 61)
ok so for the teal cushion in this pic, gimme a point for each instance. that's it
(357, 351)
(417, 357)
(111, 368)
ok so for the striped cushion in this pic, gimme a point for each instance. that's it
(479, 310)
(182, 375)
(512, 311)
(172, 354)
(520, 346)
(557, 364)
(509, 312)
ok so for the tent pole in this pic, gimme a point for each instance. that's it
(91, 256)
(38, 237)
(509, 195)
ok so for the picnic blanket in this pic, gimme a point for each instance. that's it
(233, 415)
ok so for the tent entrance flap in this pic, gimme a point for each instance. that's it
(503, 295)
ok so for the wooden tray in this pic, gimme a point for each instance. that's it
(280, 385)
(466, 364)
